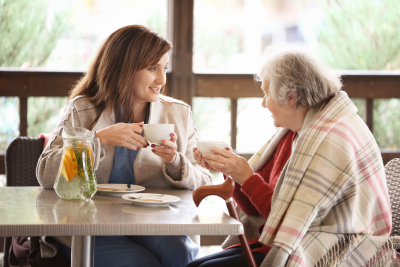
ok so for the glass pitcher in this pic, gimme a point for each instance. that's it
(76, 178)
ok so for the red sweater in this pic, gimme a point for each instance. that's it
(254, 197)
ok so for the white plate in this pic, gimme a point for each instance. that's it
(121, 189)
(151, 199)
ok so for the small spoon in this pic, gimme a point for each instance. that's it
(129, 188)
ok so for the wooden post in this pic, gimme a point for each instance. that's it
(233, 122)
(180, 31)
(368, 117)
(23, 116)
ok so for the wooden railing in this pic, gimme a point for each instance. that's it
(368, 85)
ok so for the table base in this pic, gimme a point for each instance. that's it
(82, 251)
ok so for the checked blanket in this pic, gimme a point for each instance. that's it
(331, 208)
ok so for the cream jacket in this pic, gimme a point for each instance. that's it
(149, 168)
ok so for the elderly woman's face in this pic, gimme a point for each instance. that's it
(283, 116)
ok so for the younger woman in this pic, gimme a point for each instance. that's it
(121, 91)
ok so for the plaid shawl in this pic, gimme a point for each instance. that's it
(332, 207)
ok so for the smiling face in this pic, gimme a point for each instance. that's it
(148, 82)
(283, 116)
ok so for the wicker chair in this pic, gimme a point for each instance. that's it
(392, 170)
(21, 158)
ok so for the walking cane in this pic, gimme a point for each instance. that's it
(225, 191)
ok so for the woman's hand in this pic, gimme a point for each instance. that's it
(200, 159)
(166, 150)
(229, 164)
(123, 134)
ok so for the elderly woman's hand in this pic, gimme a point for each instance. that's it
(167, 149)
(200, 159)
(229, 164)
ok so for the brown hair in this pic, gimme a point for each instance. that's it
(108, 82)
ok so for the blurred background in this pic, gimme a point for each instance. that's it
(228, 38)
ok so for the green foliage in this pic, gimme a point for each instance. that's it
(360, 104)
(29, 30)
(157, 22)
(360, 34)
(213, 44)
(386, 121)
(9, 120)
(363, 35)
(43, 114)
(212, 118)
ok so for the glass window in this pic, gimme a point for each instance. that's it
(9, 120)
(360, 104)
(347, 35)
(212, 117)
(44, 114)
(66, 35)
(234, 39)
(254, 125)
(386, 126)
(47, 117)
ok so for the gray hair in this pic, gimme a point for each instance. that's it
(290, 69)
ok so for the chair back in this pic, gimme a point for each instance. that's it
(22, 155)
(392, 170)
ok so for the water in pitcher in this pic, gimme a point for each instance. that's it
(76, 178)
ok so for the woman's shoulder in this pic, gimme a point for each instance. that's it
(81, 102)
(170, 109)
(166, 100)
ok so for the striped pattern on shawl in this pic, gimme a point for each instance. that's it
(332, 207)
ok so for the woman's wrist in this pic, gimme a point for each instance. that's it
(175, 168)
(241, 180)
(175, 160)
(247, 172)
(98, 135)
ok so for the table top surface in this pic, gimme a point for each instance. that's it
(33, 211)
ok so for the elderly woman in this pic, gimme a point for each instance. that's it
(319, 182)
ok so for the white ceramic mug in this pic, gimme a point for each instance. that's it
(155, 133)
(204, 146)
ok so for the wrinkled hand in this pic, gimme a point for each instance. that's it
(200, 159)
(166, 150)
(229, 163)
(123, 134)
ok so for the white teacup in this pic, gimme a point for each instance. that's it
(155, 133)
(204, 146)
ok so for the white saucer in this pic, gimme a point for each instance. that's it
(150, 199)
(120, 189)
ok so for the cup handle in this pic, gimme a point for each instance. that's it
(98, 150)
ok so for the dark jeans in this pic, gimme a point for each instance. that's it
(232, 257)
(141, 251)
